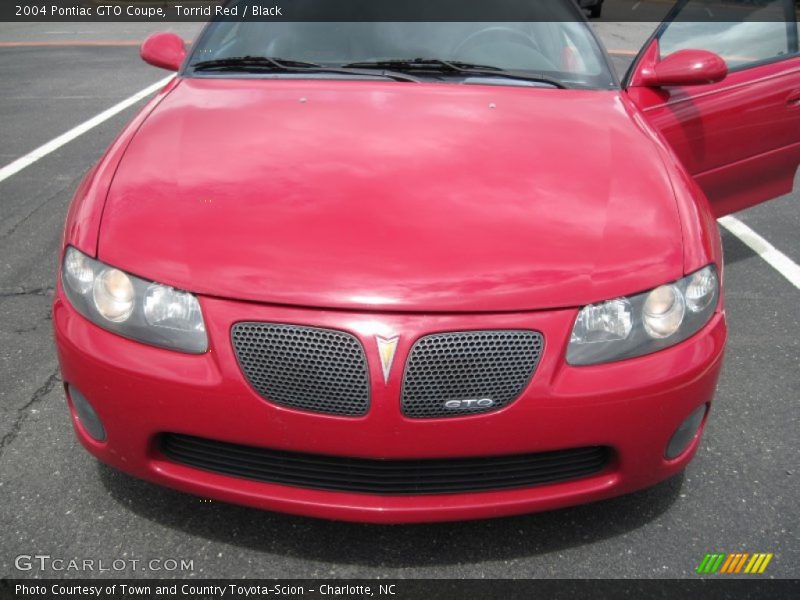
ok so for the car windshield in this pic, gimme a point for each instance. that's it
(548, 53)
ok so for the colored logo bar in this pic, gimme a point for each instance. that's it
(742, 562)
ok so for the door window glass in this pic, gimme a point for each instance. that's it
(742, 32)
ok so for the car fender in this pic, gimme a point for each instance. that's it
(82, 226)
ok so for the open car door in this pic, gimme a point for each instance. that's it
(720, 80)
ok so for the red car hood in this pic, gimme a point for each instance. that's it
(396, 196)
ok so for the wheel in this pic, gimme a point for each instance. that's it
(594, 12)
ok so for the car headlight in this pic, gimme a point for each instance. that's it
(641, 324)
(141, 310)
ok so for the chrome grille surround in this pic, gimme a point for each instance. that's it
(305, 368)
(494, 364)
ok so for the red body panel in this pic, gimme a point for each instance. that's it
(739, 138)
(82, 227)
(394, 209)
(397, 197)
(633, 406)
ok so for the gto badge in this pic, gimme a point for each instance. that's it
(386, 350)
(469, 403)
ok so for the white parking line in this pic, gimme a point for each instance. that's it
(53, 145)
(774, 257)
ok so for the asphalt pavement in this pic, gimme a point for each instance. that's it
(740, 494)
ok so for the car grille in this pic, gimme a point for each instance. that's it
(468, 365)
(389, 477)
(318, 370)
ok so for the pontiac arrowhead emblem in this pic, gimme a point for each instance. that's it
(386, 349)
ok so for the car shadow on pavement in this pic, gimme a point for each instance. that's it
(390, 546)
(733, 249)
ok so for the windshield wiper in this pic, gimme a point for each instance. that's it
(422, 64)
(438, 65)
(269, 63)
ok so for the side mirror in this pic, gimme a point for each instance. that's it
(163, 50)
(686, 67)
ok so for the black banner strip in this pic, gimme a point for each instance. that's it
(388, 10)
(393, 589)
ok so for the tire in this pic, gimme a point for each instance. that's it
(594, 12)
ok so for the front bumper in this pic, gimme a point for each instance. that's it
(632, 406)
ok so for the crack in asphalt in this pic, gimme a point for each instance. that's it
(45, 320)
(71, 183)
(23, 412)
(41, 291)
(24, 330)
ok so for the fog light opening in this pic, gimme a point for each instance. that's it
(87, 416)
(687, 431)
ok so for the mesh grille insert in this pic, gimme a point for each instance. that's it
(391, 477)
(469, 365)
(318, 370)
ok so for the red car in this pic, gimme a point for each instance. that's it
(420, 271)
